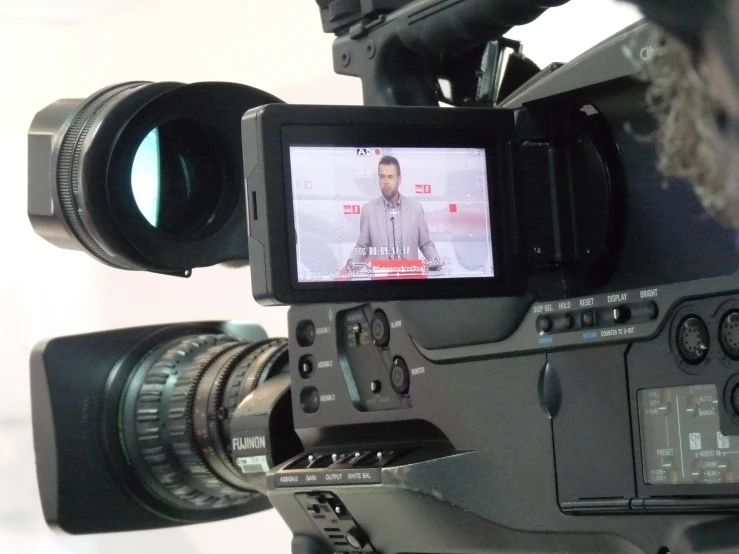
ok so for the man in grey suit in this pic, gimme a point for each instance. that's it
(393, 226)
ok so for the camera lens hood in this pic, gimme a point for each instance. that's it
(183, 206)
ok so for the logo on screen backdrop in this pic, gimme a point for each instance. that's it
(352, 209)
(423, 189)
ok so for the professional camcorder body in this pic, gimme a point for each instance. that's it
(509, 332)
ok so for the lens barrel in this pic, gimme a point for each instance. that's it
(175, 416)
(144, 176)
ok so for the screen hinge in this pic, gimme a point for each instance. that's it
(546, 203)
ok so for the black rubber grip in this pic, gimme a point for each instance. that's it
(464, 23)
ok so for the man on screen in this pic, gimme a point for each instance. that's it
(393, 226)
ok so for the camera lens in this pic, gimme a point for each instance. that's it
(175, 416)
(174, 180)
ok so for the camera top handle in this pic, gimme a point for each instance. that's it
(396, 46)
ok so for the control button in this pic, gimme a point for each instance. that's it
(306, 367)
(587, 318)
(692, 340)
(728, 334)
(376, 386)
(341, 458)
(621, 315)
(564, 322)
(554, 323)
(306, 333)
(647, 310)
(544, 325)
(652, 310)
(357, 330)
(320, 462)
(400, 377)
(699, 470)
(310, 400)
(692, 405)
(384, 457)
(359, 457)
(381, 458)
(380, 329)
(356, 539)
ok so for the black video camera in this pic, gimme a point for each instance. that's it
(508, 332)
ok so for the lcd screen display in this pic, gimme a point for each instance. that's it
(376, 213)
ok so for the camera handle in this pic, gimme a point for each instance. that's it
(397, 55)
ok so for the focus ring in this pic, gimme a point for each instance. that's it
(236, 372)
(68, 167)
(268, 360)
(232, 394)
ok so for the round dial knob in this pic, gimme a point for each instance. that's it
(692, 339)
(380, 329)
(400, 377)
(729, 334)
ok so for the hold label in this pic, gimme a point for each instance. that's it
(323, 330)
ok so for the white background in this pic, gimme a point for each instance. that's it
(68, 49)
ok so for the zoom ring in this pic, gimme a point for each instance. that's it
(168, 450)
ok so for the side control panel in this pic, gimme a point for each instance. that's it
(334, 522)
(349, 356)
(377, 379)
(681, 393)
(354, 467)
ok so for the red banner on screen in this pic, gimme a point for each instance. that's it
(399, 269)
